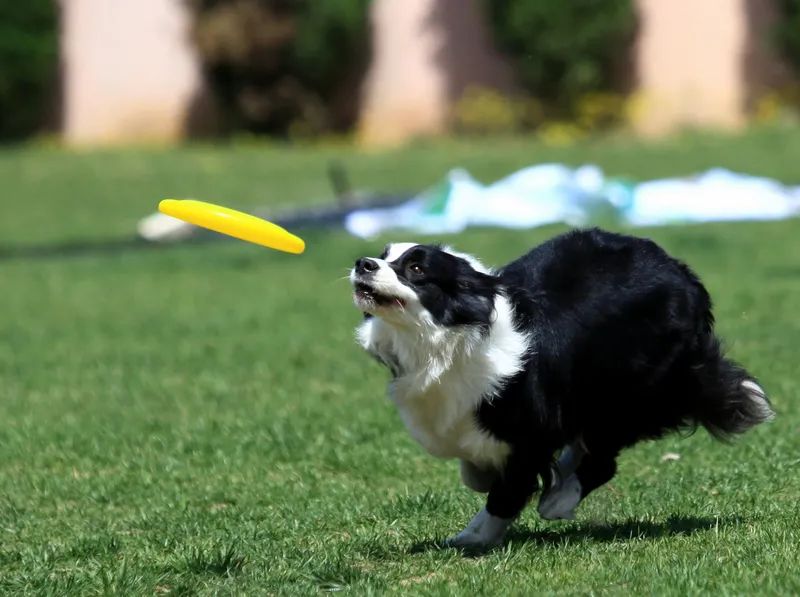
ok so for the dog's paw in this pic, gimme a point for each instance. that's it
(471, 542)
(483, 532)
(560, 500)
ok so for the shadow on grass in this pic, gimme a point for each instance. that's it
(75, 249)
(782, 272)
(626, 530)
(622, 531)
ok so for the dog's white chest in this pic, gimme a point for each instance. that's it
(446, 425)
(443, 375)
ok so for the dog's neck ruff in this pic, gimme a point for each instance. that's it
(442, 374)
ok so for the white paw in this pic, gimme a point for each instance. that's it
(483, 531)
(560, 500)
(467, 540)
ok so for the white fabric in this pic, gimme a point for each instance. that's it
(554, 193)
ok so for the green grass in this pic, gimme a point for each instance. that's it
(198, 419)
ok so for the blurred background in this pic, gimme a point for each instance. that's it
(91, 72)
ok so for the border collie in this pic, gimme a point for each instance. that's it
(549, 367)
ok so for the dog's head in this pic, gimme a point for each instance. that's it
(412, 284)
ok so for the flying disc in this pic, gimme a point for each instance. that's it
(233, 223)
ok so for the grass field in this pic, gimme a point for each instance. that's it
(198, 419)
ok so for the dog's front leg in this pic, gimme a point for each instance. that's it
(508, 496)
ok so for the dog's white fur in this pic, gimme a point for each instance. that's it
(442, 373)
(757, 394)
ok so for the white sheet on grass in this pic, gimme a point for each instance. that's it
(554, 193)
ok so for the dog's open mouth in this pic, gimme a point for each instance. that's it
(365, 293)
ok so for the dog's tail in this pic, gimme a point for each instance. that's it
(731, 400)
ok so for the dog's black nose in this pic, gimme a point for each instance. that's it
(366, 265)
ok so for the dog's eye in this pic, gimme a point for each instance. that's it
(416, 268)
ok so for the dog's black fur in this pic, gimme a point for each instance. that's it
(623, 350)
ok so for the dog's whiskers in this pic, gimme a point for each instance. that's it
(345, 277)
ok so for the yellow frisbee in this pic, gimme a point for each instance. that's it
(233, 223)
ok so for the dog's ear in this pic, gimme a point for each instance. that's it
(473, 303)
(478, 282)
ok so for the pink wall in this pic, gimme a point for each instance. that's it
(131, 75)
(129, 71)
(689, 63)
(702, 63)
(425, 53)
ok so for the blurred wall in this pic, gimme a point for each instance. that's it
(701, 64)
(425, 53)
(129, 73)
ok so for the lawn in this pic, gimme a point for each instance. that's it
(198, 419)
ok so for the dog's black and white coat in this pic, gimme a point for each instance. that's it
(549, 367)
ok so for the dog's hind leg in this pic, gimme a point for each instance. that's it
(580, 471)
(559, 500)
